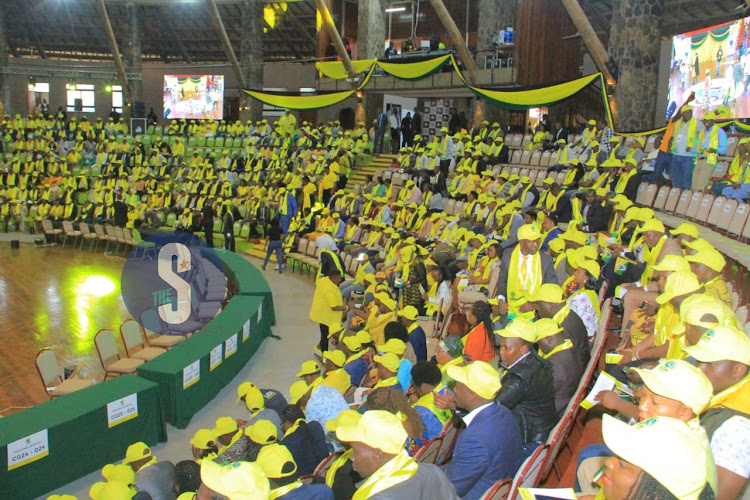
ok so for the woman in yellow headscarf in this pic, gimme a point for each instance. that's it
(414, 277)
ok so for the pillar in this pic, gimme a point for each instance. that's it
(371, 21)
(495, 16)
(4, 77)
(251, 58)
(634, 46)
(131, 59)
(484, 110)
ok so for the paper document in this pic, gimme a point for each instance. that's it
(605, 382)
(547, 493)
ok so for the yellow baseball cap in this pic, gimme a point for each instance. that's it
(666, 448)
(254, 400)
(513, 177)
(111, 491)
(347, 418)
(202, 437)
(687, 229)
(677, 284)
(679, 380)
(557, 245)
(243, 389)
(276, 461)
(519, 328)
(529, 232)
(338, 379)
(546, 327)
(710, 115)
(396, 346)
(188, 495)
(409, 312)
(61, 497)
(587, 252)
(696, 306)
(708, 257)
(548, 292)
(672, 263)
(720, 344)
(136, 451)
(338, 358)
(236, 481)
(377, 429)
(262, 432)
(225, 425)
(575, 236)
(352, 343)
(309, 367)
(121, 473)
(480, 377)
(364, 337)
(698, 244)
(297, 390)
(389, 360)
(653, 225)
(386, 301)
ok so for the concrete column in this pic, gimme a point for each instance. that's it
(371, 21)
(251, 58)
(132, 48)
(4, 78)
(634, 45)
(495, 15)
(487, 111)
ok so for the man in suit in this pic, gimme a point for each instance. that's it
(416, 123)
(523, 271)
(594, 214)
(208, 223)
(381, 122)
(559, 133)
(489, 449)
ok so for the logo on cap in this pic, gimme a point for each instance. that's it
(173, 282)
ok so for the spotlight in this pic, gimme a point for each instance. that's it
(108, 86)
(32, 82)
(360, 94)
(71, 85)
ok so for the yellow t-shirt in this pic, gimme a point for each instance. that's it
(327, 296)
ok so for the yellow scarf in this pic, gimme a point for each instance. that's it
(650, 260)
(517, 291)
(401, 468)
(561, 347)
(713, 143)
(335, 466)
(569, 176)
(294, 427)
(550, 201)
(386, 382)
(622, 182)
(736, 397)
(283, 490)
(692, 126)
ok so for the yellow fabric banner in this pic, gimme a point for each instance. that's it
(414, 71)
(544, 96)
(298, 102)
(336, 70)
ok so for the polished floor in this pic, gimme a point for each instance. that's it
(58, 298)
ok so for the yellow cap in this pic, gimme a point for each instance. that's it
(698, 244)
(548, 180)
(309, 367)
(557, 245)
(653, 225)
(575, 236)
(519, 328)
(345, 419)
(389, 360)
(720, 344)
(111, 491)
(61, 497)
(679, 380)
(396, 346)
(236, 481)
(254, 400)
(386, 301)
(480, 377)
(243, 389)
(677, 284)
(121, 473)
(696, 306)
(364, 337)
(338, 358)
(672, 263)
(338, 379)
(529, 232)
(710, 258)
(188, 495)
(136, 451)
(687, 229)
(225, 425)
(666, 448)
(409, 312)
(297, 390)
(377, 429)
(546, 327)
(276, 461)
(202, 437)
(548, 292)
(352, 343)
(262, 432)
(709, 116)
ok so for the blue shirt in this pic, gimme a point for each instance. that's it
(432, 425)
(551, 236)
(404, 375)
(418, 341)
(309, 492)
(357, 370)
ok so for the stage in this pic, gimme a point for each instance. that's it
(58, 298)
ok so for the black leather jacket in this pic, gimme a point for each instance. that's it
(528, 390)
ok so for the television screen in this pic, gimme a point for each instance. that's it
(714, 63)
(194, 96)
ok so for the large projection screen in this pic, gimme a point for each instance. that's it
(194, 97)
(714, 63)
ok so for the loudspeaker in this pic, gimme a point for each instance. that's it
(15, 244)
(139, 109)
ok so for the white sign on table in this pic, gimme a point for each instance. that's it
(260, 312)
(122, 410)
(246, 330)
(191, 374)
(215, 359)
(28, 449)
(230, 346)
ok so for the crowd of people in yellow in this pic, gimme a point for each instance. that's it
(525, 270)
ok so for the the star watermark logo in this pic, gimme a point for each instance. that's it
(173, 283)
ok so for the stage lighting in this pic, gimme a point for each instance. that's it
(32, 83)
(98, 286)
(108, 86)
(71, 85)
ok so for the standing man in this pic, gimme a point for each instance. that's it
(287, 209)
(208, 223)
(380, 123)
(416, 124)
(328, 304)
(712, 142)
(684, 148)
(287, 123)
(664, 154)
(395, 121)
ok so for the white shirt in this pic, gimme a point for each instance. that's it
(473, 413)
(730, 445)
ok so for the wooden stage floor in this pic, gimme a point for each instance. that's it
(58, 298)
